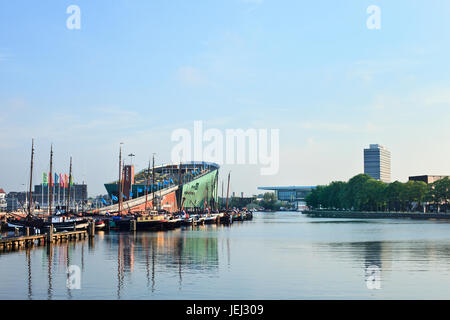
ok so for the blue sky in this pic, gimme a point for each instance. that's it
(137, 70)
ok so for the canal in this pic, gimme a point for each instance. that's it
(281, 255)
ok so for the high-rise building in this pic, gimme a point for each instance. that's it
(377, 163)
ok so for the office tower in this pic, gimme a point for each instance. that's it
(377, 163)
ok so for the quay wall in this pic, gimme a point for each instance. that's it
(375, 215)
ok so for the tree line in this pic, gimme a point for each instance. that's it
(363, 193)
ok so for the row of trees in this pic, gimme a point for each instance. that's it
(269, 202)
(364, 193)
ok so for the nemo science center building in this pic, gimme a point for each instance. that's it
(294, 195)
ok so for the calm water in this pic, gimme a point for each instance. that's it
(275, 256)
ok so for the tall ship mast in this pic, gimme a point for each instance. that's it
(147, 186)
(228, 188)
(29, 214)
(51, 183)
(120, 181)
(68, 187)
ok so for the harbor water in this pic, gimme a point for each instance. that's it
(280, 255)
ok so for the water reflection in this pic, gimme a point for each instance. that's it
(49, 268)
(174, 251)
(256, 260)
(30, 285)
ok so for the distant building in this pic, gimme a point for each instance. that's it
(293, 195)
(16, 200)
(12, 204)
(2, 200)
(427, 179)
(78, 194)
(21, 197)
(377, 163)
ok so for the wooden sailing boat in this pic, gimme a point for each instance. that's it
(29, 220)
(60, 223)
(227, 218)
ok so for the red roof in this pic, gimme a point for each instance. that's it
(2, 191)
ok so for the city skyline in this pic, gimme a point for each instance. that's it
(316, 72)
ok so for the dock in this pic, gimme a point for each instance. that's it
(13, 243)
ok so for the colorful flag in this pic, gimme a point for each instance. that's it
(61, 180)
(71, 180)
(131, 194)
(66, 180)
(140, 190)
(56, 178)
(114, 198)
(44, 179)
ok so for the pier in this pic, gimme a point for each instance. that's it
(18, 242)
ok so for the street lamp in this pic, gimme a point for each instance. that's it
(131, 156)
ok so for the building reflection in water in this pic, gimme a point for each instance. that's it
(175, 251)
(55, 255)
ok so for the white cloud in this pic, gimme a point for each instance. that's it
(192, 76)
(16, 104)
(368, 70)
(339, 127)
(4, 55)
(419, 100)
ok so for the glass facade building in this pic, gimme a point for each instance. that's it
(377, 163)
(294, 195)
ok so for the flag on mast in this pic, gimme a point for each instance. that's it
(44, 178)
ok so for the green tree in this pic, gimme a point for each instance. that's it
(270, 201)
(355, 197)
(392, 195)
(313, 198)
(373, 195)
(440, 192)
(414, 192)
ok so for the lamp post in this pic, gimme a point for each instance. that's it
(131, 156)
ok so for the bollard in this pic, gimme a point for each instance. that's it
(50, 234)
(132, 225)
(91, 229)
(74, 226)
(27, 231)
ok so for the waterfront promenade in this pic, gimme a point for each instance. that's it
(375, 215)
